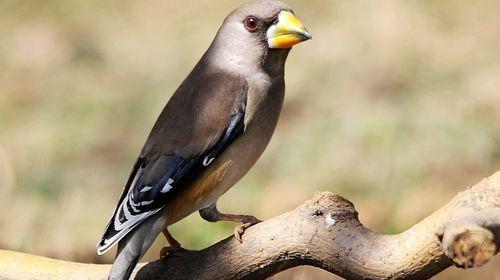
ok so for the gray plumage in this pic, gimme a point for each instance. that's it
(211, 132)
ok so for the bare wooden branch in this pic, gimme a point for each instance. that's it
(323, 232)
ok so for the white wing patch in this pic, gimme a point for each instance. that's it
(131, 218)
(207, 161)
(168, 186)
(123, 228)
(147, 202)
(146, 189)
(132, 204)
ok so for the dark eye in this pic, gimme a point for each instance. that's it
(251, 23)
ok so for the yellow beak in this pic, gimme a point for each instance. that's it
(288, 32)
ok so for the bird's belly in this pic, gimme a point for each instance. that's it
(222, 174)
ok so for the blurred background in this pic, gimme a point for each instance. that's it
(394, 105)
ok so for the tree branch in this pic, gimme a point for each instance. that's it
(324, 232)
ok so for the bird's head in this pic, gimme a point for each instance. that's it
(260, 33)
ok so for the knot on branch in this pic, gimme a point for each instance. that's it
(330, 205)
(469, 241)
(471, 248)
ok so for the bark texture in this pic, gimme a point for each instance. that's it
(324, 232)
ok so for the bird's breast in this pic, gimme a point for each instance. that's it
(261, 117)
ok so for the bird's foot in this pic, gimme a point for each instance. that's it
(171, 251)
(211, 214)
(175, 248)
(248, 221)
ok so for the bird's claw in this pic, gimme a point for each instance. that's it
(171, 251)
(240, 230)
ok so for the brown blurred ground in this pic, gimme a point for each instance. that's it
(394, 105)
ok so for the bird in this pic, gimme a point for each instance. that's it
(211, 132)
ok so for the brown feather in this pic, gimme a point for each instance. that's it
(196, 116)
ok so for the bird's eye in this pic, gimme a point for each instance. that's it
(251, 23)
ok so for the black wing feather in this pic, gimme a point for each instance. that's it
(144, 200)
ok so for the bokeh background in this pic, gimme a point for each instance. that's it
(393, 104)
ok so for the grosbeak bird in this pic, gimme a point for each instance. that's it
(211, 132)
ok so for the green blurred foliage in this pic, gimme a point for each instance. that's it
(394, 105)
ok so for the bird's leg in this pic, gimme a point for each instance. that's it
(175, 246)
(212, 214)
(170, 239)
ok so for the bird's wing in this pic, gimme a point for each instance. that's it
(195, 127)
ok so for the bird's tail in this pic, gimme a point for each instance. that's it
(133, 246)
(125, 262)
